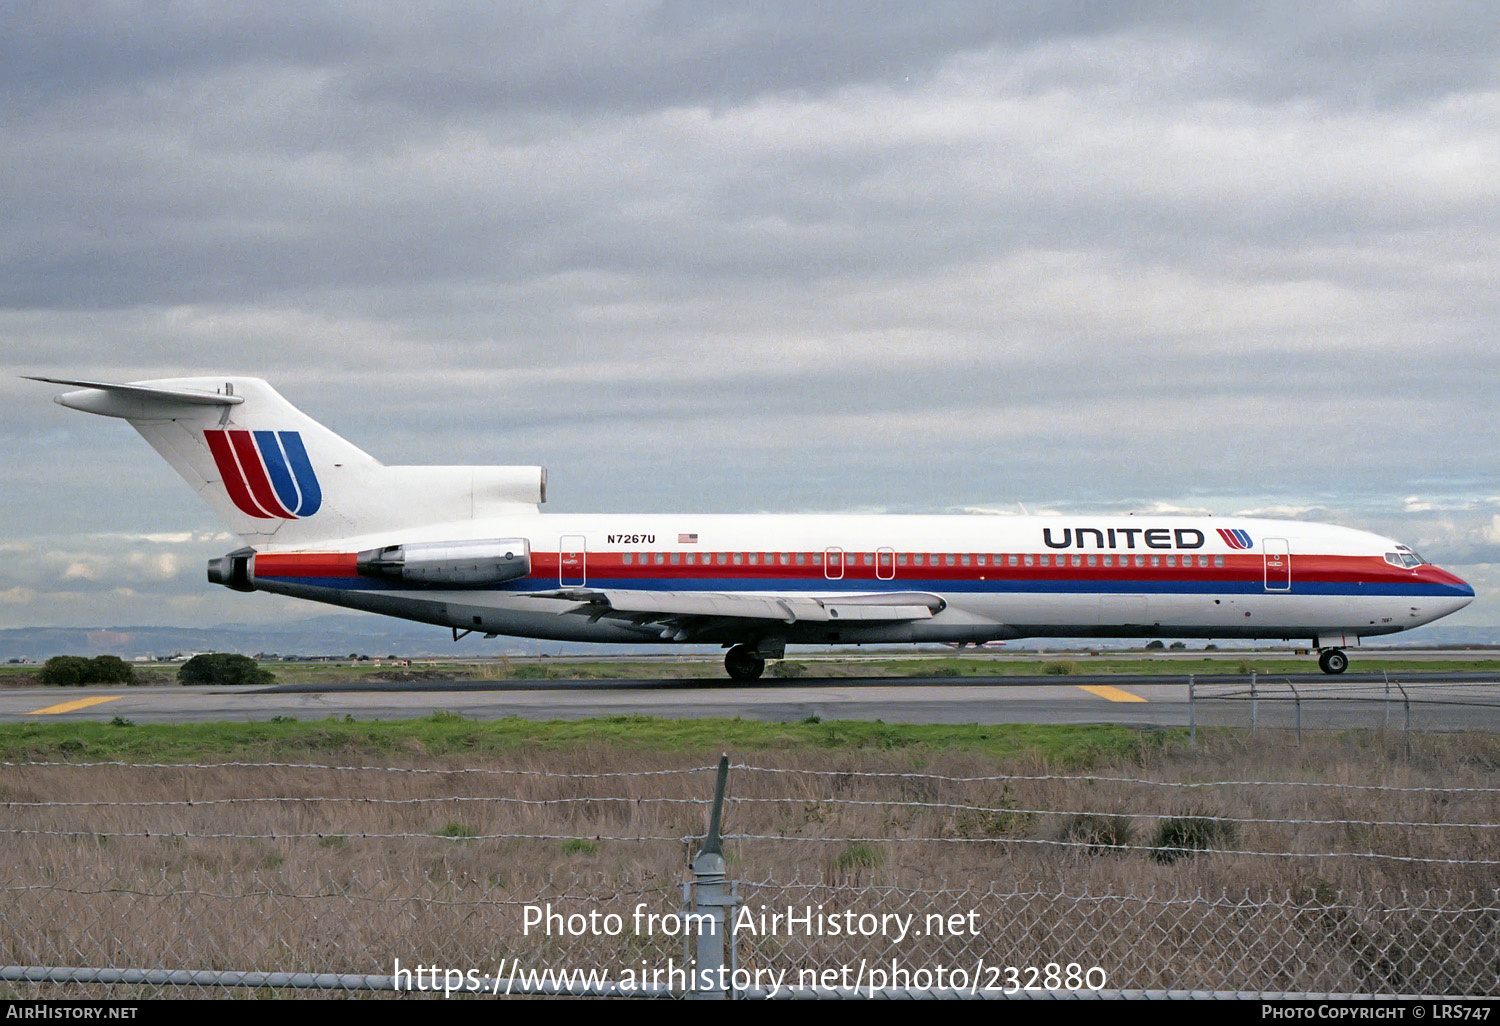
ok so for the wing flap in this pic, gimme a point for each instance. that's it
(729, 605)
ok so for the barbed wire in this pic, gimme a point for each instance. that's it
(1426, 900)
(325, 835)
(1280, 695)
(747, 767)
(729, 800)
(960, 807)
(339, 895)
(1095, 846)
(1089, 778)
(471, 770)
(349, 800)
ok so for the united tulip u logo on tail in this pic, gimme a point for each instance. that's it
(267, 473)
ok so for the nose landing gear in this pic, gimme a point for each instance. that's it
(1333, 660)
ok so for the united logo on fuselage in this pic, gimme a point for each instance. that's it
(1124, 537)
(267, 473)
(1236, 538)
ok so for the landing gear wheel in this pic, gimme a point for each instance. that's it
(1333, 660)
(743, 664)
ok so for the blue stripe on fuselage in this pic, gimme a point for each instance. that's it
(999, 587)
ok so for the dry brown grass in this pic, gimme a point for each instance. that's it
(348, 902)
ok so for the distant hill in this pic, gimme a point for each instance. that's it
(370, 635)
(321, 635)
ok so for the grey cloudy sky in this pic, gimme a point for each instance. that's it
(881, 256)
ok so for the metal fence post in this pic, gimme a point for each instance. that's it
(1406, 701)
(1252, 703)
(1192, 715)
(712, 900)
(1385, 707)
(1297, 702)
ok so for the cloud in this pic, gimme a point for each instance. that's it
(1288, 511)
(82, 570)
(955, 256)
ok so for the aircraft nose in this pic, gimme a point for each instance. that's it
(1458, 591)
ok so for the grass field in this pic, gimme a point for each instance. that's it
(300, 871)
(452, 735)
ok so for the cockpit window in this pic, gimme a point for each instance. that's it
(1407, 556)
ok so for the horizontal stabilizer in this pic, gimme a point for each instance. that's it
(147, 393)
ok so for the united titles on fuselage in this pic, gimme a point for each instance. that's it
(1117, 537)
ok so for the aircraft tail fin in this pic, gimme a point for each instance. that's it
(278, 477)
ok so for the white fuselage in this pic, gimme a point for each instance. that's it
(996, 577)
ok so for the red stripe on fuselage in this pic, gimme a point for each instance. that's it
(229, 473)
(544, 565)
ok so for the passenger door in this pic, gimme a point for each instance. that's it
(1278, 564)
(572, 561)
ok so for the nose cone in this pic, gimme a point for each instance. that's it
(1453, 591)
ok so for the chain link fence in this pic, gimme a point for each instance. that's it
(851, 881)
(1391, 706)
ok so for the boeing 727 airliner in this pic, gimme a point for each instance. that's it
(468, 548)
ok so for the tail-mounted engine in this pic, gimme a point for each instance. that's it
(233, 570)
(456, 564)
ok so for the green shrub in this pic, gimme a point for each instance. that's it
(67, 671)
(579, 846)
(223, 668)
(1182, 836)
(786, 669)
(108, 669)
(1064, 668)
(1155, 643)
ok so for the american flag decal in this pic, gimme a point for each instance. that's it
(687, 539)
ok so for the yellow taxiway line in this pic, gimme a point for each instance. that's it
(80, 703)
(1113, 694)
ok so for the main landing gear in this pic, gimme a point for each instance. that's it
(1333, 660)
(744, 663)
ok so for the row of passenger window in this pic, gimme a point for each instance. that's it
(883, 559)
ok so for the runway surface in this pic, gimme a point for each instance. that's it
(1437, 701)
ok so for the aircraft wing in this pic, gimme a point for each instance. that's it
(680, 614)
